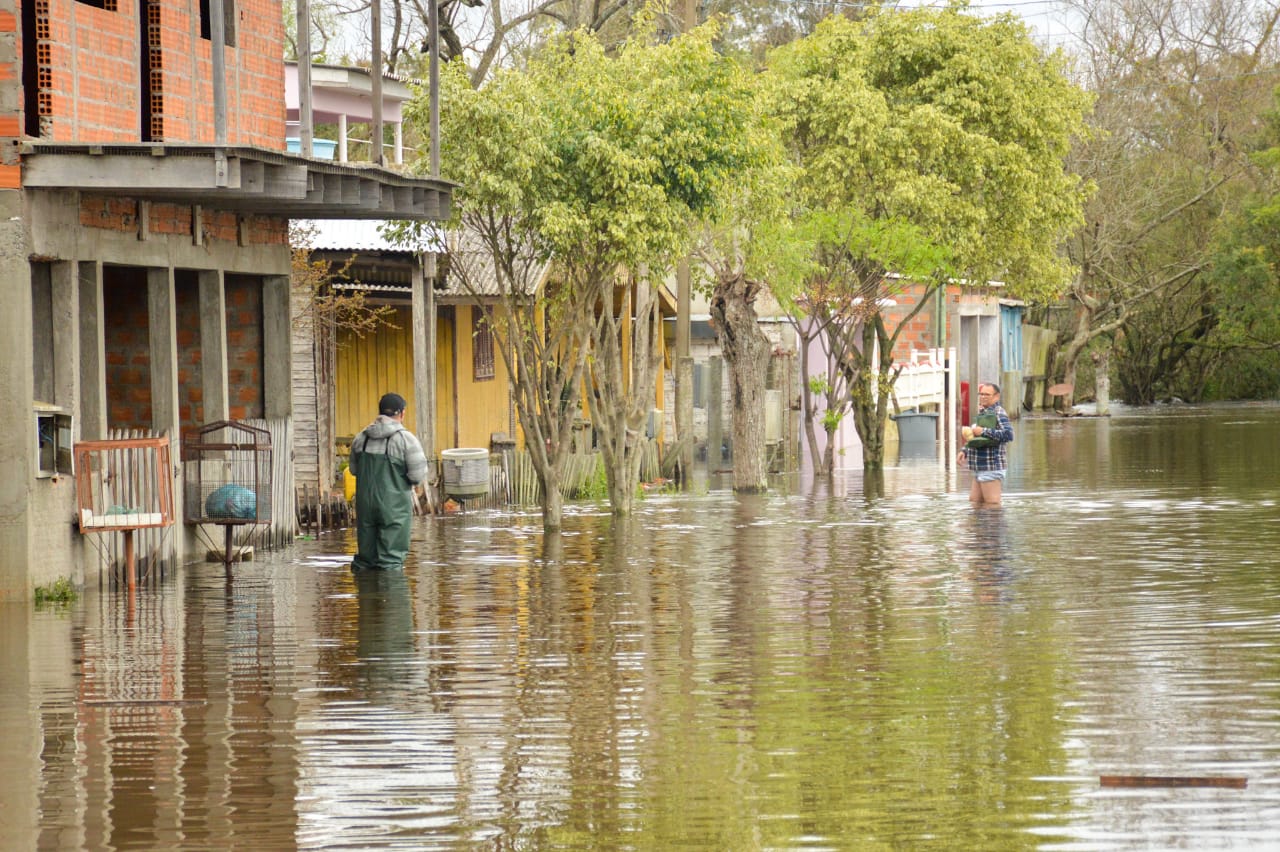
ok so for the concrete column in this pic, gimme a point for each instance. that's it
(17, 417)
(424, 352)
(92, 416)
(162, 322)
(65, 290)
(714, 390)
(213, 345)
(277, 348)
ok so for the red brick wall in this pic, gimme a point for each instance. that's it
(96, 57)
(128, 347)
(190, 354)
(244, 346)
(11, 86)
(918, 331)
(121, 214)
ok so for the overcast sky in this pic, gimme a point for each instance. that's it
(1046, 17)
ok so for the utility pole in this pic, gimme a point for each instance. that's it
(433, 69)
(375, 95)
(684, 360)
(306, 118)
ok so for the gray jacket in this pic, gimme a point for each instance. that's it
(404, 448)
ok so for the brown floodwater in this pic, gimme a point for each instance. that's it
(851, 665)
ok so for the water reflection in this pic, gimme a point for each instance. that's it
(991, 554)
(838, 666)
(384, 627)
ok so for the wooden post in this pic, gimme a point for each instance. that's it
(130, 563)
(713, 388)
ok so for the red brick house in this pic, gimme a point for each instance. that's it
(145, 196)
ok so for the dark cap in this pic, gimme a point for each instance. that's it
(391, 403)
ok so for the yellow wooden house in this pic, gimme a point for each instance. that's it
(458, 396)
(463, 386)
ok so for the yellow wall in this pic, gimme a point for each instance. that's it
(482, 406)
(446, 383)
(369, 366)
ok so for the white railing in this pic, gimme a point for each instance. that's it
(922, 381)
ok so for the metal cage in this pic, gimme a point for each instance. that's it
(226, 474)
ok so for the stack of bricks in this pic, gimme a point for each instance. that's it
(10, 97)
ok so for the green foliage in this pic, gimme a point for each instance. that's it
(600, 162)
(60, 591)
(930, 145)
(935, 137)
(596, 486)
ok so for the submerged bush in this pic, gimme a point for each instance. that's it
(60, 591)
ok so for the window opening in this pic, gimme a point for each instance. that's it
(482, 343)
(228, 17)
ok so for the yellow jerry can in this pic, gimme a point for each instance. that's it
(348, 484)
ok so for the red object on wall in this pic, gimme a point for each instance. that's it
(963, 414)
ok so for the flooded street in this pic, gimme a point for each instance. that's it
(813, 669)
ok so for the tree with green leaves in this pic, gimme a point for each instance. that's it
(932, 138)
(597, 165)
(837, 312)
(743, 246)
(1243, 350)
(498, 143)
(1180, 85)
(648, 140)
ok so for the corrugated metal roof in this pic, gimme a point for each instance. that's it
(470, 267)
(357, 235)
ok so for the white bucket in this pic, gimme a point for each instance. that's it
(465, 471)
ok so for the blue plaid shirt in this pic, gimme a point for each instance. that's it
(982, 459)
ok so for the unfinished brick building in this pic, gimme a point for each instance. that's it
(145, 196)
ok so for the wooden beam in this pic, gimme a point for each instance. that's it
(1173, 781)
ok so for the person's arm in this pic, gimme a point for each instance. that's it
(354, 454)
(1004, 433)
(415, 460)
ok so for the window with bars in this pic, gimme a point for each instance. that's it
(482, 343)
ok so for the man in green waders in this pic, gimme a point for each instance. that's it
(387, 461)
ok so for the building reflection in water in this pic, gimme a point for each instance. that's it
(179, 727)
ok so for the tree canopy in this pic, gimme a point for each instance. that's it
(931, 146)
(954, 124)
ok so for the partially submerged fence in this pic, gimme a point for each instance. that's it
(513, 481)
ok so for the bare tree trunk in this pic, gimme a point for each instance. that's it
(1102, 381)
(552, 504)
(547, 357)
(1069, 357)
(623, 389)
(870, 399)
(821, 459)
(746, 351)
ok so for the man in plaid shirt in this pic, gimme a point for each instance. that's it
(986, 454)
